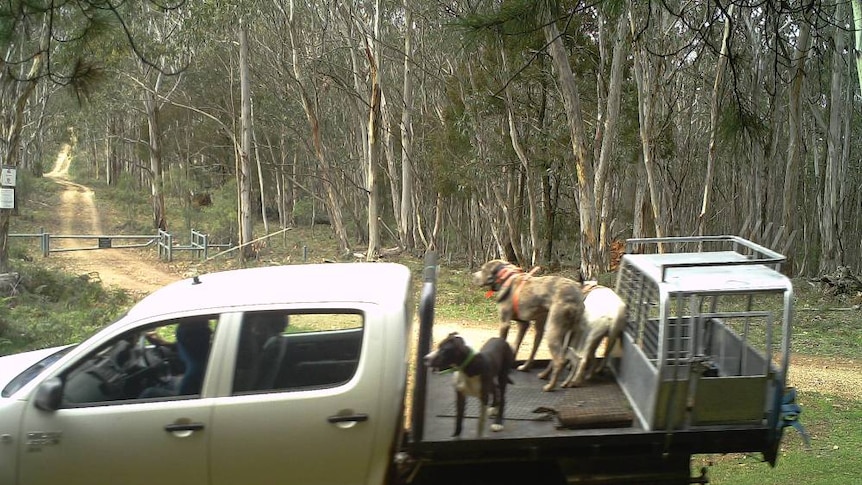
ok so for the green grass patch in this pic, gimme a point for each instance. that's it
(835, 426)
(53, 308)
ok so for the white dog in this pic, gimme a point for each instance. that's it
(604, 316)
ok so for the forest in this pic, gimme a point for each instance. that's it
(543, 131)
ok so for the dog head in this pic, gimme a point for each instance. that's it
(491, 274)
(451, 352)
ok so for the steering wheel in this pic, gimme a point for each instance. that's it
(157, 361)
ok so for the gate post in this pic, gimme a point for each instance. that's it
(165, 245)
(45, 242)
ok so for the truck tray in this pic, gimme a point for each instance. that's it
(531, 412)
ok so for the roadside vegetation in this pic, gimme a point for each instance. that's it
(53, 306)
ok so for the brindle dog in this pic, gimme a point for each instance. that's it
(552, 301)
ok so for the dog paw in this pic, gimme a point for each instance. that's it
(492, 411)
(548, 387)
(524, 367)
(496, 427)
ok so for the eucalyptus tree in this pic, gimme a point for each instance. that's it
(403, 202)
(243, 172)
(837, 144)
(857, 23)
(591, 157)
(304, 54)
(715, 107)
(800, 55)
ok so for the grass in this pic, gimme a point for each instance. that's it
(835, 426)
(54, 307)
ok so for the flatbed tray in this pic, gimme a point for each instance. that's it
(531, 412)
(583, 421)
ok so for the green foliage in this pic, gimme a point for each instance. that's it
(220, 218)
(54, 308)
(737, 121)
(824, 325)
(127, 196)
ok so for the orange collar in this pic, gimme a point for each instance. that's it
(587, 287)
(506, 277)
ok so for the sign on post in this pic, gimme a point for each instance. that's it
(8, 175)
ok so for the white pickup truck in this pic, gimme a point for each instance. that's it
(299, 375)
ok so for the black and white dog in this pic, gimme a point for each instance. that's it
(484, 375)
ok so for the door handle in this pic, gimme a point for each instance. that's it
(348, 418)
(174, 428)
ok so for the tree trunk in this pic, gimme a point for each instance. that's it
(857, 23)
(515, 138)
(646, 83)
(407, 221)
(243, 173)
(831, 225)
(333, 204)
(260, 177)
(794, 145)
(590, 266)
(715, 108)
(155, 149)
(373, 56)
(609, 137)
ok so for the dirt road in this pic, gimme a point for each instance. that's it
(121, 268)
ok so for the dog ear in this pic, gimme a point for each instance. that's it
(498, 267)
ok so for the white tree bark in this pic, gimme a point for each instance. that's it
(243, 172)
(794, 145)
(372, 52)
(831, 224)
(590, 264)
(407, 221)
(857, 23)
(715, 108)
(645, 77)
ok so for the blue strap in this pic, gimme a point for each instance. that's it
(790, 412)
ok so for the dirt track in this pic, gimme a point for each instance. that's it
(115, 267)
(126, 269)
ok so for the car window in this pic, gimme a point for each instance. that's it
(289, 352)
(162, 361)
(34, 370)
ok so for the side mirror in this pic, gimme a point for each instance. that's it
(49, 395)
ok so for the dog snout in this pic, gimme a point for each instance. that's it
(478, 278)
(429, 358)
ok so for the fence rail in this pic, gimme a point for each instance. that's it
(163, 241)
(198, 243)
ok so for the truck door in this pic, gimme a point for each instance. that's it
(302, 405)
(121, 420)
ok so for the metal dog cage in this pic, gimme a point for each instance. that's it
(708, 337)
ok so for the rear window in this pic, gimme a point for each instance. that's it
(289, 352)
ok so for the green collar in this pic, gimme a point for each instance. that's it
(463, 364)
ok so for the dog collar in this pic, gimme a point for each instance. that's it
(463, 364)
(587, 287)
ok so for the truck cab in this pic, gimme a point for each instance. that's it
(303, 381)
